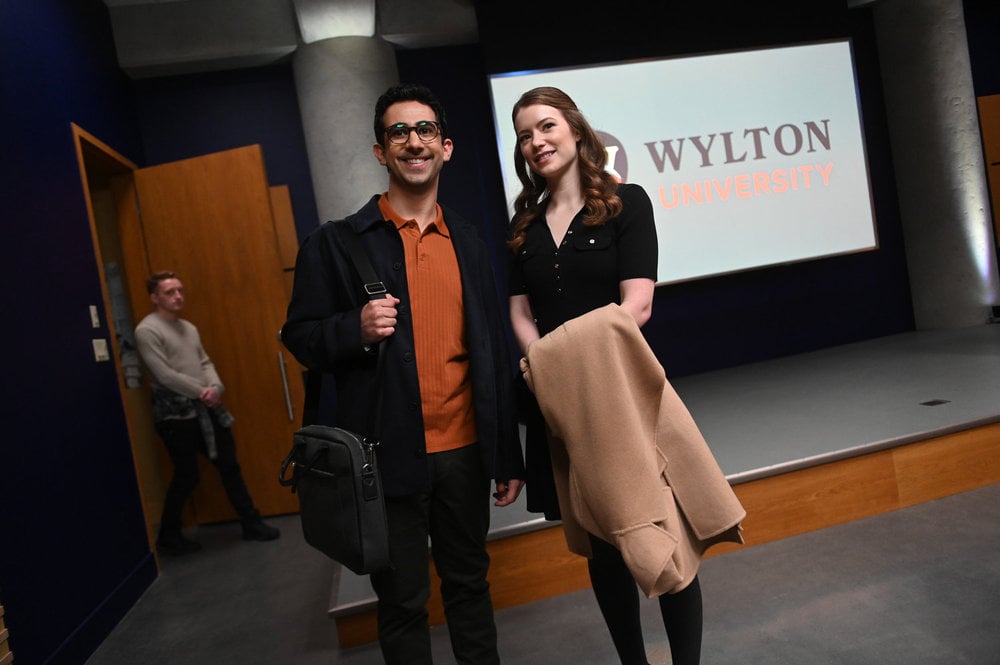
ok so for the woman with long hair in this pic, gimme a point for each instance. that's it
(581, 241)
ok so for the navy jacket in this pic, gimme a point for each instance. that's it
(323, 331)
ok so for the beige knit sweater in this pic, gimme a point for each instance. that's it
(631, 465)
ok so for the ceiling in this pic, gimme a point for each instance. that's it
(169, 37)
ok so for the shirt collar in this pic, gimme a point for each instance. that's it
(390, 214)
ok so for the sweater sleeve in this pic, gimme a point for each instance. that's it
(208, 369)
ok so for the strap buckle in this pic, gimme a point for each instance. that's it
(375, 290)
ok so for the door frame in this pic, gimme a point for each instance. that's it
(109, 192)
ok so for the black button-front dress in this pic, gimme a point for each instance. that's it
(562, 282)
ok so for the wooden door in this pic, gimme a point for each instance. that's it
(210, 220)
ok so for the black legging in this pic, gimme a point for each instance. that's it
(618, 598)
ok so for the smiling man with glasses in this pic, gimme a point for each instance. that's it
(448, 421)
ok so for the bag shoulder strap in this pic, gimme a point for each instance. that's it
(373, 286)
(375, 289)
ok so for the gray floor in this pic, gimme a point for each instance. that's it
(921, 585)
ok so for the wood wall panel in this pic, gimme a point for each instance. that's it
(947, 465)
(989, 124)
(285, 234)
(817, 497)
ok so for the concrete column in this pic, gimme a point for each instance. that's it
(338, 81)
(938, 156)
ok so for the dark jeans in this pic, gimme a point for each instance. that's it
(455, 514)
(618, 597)
(184, 441)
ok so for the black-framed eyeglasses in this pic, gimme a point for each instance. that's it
(427, 131)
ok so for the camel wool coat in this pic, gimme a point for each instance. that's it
(630, 464)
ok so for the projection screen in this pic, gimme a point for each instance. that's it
(751, 158)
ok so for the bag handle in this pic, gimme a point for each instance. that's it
(299, 469)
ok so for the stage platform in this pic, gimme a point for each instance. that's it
(807, 441)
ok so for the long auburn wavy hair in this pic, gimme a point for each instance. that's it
(601, 202)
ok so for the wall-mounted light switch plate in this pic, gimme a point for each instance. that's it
(101, 350)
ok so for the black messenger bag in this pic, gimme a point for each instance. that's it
(335, 472)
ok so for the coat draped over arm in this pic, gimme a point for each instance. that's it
(630, 463)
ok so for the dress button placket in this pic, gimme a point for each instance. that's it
(555, 268)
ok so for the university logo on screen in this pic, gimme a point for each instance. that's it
(802, 143)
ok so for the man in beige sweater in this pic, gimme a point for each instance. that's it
(188, 414)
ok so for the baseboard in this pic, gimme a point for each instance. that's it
(536, 565)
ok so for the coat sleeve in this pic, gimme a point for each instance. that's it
(509, 462)
(323, 324)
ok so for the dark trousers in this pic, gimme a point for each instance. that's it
(618, 597)
(455, 514)
(184, 441)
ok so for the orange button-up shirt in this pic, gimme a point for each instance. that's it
(438, 316)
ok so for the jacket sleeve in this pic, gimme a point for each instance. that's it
(509, 462)
(323, 324)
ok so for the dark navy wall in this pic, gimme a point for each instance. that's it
(982, 25)
(73, 550)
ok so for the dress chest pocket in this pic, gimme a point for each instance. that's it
(592, 240)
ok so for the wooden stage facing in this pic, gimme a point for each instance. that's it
(807, 441)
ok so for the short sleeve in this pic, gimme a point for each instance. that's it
(637, 244)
